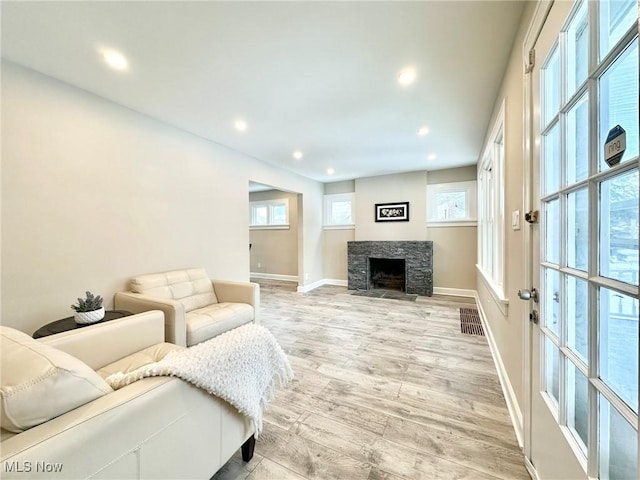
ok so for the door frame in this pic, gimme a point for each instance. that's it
(535, 27)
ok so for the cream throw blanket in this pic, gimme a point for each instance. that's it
(240, 366)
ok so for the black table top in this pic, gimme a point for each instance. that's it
(69, 323)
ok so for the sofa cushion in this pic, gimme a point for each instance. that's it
(190, 287)
(208, 322)
(132, 362)
(40, 382)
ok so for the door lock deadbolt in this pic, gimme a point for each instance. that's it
(534, 317)
(532, 216)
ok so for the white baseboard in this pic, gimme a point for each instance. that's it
(325, 281)
(335, 281)
(531, 469)
(311, 286)
(507, 389)
(274, 276)
(454, 292)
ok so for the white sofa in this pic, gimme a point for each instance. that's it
(155, 428)
(195, 307)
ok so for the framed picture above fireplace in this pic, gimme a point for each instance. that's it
(392, 212)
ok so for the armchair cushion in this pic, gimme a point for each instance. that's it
(212, 320)
(139, 359)
(192, 287)
(40, 382)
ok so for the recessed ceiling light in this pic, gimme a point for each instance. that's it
(330, 171)
(240, 125)
(407, 76)
(422, 131)
(115, 59)
(297, 154)
(432, 156)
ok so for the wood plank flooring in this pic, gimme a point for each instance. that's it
(384, 390)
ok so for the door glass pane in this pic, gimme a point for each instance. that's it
(618, 345)
(619, 227)
(577, 147)
(578, 317)
(619, 102)
(616, 17)
(551, 87)
(552, 300)
(618, 444)
(577, 404)
(552, 159)
(578, 229)
(577, 50)
(552, 369)
(552, 231)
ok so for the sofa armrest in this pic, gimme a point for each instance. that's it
(104, 343)
(238, 292)
(175, 328)
(129, 433)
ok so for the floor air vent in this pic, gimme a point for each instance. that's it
(470, 322)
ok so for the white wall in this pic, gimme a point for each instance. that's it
(455, 248)
(508, 329)
(334, 252)
(94, 193)
(275, 251)
(403, 187)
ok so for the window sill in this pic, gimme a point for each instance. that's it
(496, 292)
(455, 223)
(339, 227)
(269, 227)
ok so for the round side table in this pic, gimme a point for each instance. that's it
(69, 323)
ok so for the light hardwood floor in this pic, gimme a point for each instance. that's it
(384, 389)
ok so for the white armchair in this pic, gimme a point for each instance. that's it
(195, 307)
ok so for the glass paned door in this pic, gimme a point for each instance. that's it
(586, 259)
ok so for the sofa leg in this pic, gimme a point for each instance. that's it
(248, 447)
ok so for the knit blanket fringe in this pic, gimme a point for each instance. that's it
(243, 366)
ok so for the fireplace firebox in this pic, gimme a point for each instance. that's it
(387, 273)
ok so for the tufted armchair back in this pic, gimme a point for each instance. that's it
(192, 287)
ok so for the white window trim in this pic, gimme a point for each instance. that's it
(470, 187)
(458, 223)
(328, 199)
(339, 227)
(269, 203)
(498, 135)
(270, 227)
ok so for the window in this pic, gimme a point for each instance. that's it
(491, 211)
(451, 204)
(269, 213)
(339, 210)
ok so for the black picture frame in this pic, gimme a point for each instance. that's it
(392, 212)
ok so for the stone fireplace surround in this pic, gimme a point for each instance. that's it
(418, 256)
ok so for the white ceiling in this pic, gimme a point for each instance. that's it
(314, 76)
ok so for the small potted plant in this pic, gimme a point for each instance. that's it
(89, 309)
